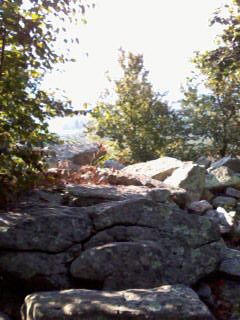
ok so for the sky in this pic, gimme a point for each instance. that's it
(166, 32)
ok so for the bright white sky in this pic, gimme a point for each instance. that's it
(166, 32)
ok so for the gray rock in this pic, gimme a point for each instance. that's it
(230, 262)
(113, 164)
(86, 195)
(158, 169)
(224, 202)
(221, 177)
(172, 247)
(49, 230)
(77, 153)
(222, 218)
(203, 161)
(164, 303)
(232, 192)
(229, 162)
(205, 293)
(199, 207)
(39, 270)
(124, 264)
(190, 177)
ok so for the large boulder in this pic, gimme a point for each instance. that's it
(158, 169)
(222, 177)
(191, 177)
(163, 303)
(171, 245)
(60, 246)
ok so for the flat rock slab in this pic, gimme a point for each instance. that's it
(86, 195)
(158, 169)
(164, 303)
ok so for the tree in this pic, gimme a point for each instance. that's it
(211, 106)
(139, 120)
(28, 30)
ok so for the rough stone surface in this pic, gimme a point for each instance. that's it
(113, 164)
(171, 246)
(221, 177)
(127, 179)
(223, 219)
(199, 206)
(229, 162)
(158, 169)
(232, 192)
(163, 303)
(203, 161)
(49, 230)
(41, 245)
(124, 265)
(230, 262)
(40, 270)
(190, 177)
(86, 195)
(225, 202)
(77, 153)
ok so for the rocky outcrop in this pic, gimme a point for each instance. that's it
(101, 243)
(164, 303)
(158, 169)
(78, 154)
(228, 162)
(221, 177)
(139, 234)
(190, 177)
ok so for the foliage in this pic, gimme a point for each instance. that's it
(211, 107)
(139, 120)
(28, 30)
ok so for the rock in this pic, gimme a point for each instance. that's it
(230, 262)
(158, 169)
(49, 230)
(38, 270)
(127, 179)
(203, 161)
(229, 162)
(171, 246)
(113, 164)
(222, 218)
(227, 298)
(232, 192)
(205, 293)
(78, 154)
(190, 177)
(199, 206)
(167, 302)
(40, 198)
(86, 195)
(207, 195)
(220, 178)
(224, 202)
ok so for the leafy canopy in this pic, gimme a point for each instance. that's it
(211, 107)
(28, 31)
(139, 121)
